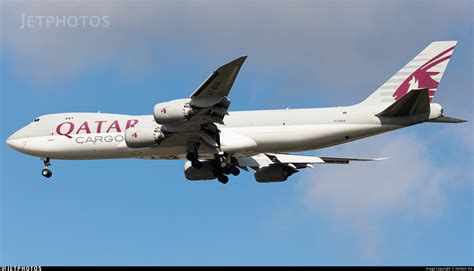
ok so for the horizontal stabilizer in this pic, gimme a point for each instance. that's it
(414, 103)
(444, 119)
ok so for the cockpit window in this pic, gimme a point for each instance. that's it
(36, 120)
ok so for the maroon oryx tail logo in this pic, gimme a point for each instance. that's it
(422, 77)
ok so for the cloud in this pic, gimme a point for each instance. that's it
(43, 54)
(326, 44)
(409, 186)
(362, 190)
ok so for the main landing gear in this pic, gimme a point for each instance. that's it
(224, 166)
(193, 157)
(46, 171)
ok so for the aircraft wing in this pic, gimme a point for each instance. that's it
(209, 103)
(294, 161)
(277, 167)
(218, 84)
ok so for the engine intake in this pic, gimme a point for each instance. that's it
(143, 136)
(172, 111)
(436, 111)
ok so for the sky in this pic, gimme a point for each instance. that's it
(414, 209)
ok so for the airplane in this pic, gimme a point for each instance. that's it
(217, 143)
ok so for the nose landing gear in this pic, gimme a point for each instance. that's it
(46, 171)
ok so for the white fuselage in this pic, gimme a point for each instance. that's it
(101, 136)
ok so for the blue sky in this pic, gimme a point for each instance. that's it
(414, 209)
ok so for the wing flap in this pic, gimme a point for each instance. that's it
(294, 159)
(256, 161)
(339, 160)
(298, 161)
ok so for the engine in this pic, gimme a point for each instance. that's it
(436, 111)
(206, 172)
(273, 173)
(143, 136)
(172, 111)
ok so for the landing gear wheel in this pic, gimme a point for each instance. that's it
(221, 162)
(235, 171)
(192, 156)
(223, 179)
(47, 173)
(225, 170)
(196, 164)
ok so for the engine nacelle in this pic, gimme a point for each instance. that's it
(143, 136)
(204, 173)
(172, 111)
(436, 111)
(273, 173)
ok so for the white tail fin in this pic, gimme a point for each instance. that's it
(423, 71)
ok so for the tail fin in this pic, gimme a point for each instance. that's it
(414, 103)
(423, 71)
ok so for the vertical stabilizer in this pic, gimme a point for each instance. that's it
(423, 71)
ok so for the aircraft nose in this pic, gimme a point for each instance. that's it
(15, 141)
(10, 142)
